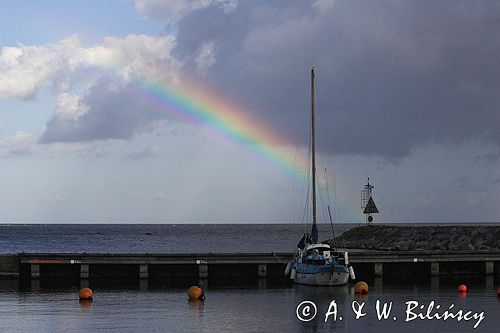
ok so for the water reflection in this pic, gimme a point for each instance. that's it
(237, 309)
(361, 297)
(86, 303)
(196, 305)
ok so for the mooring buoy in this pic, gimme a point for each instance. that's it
(195, 293)
(361, 288)
(86, 294)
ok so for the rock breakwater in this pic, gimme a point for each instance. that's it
(414, 238)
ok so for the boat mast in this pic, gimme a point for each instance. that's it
(313, 149)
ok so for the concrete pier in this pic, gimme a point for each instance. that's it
(9, 266)
(234, 268)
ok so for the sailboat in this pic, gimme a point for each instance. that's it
(318, 264)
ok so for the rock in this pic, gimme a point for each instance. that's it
(444, 244)
(404, 238)
(435, 246)
(422, 245)
(403, 245)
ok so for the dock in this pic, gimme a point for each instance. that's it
(147, 269)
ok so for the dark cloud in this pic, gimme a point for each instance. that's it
(462, 182)
(390, 75)
(113, 113)
(489, 158)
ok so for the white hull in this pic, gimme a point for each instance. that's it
(322, 279)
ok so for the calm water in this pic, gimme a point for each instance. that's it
(245, 309)
(236, 310)
(156, 238)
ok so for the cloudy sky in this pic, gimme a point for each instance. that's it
(197, 111)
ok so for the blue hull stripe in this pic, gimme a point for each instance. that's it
(314, 269)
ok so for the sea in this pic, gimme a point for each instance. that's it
(157, 238)
(390, 306)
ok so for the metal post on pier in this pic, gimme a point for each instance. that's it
(262, 271)
(143, 277)
(143, 271)
(84, 272)
(35, 271)
(35, 277)
(434, 268)
(489, 267)
(84, 275)
(262, 275)
(202, 273)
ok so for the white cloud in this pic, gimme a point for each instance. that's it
(85, 79)
(26, 69)
(206, 57)
(18, 144)
(70, 107)
(133, 54)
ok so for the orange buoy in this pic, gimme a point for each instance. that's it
(498, 292)
(196, 292)
(86, 294)
(462, 288)
(361, 288)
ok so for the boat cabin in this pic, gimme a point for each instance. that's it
(319, 254)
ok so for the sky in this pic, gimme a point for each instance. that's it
(197, 111)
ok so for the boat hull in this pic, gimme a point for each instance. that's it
(322, 279)
(319, 265)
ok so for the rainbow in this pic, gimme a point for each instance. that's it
(197, 106)
(193, 104)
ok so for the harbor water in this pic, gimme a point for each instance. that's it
(241, 310)
(245, 308)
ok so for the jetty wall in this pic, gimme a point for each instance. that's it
(397, 253)
(35, 270)
(9, 266)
